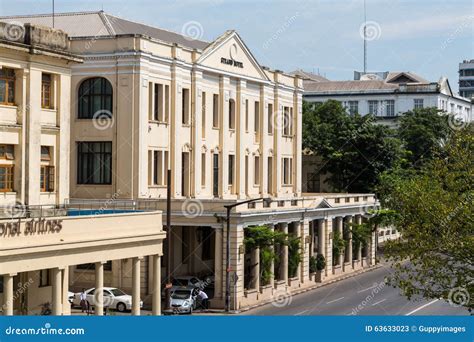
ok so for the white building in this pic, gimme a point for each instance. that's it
(388, 94)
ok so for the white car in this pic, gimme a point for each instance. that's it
(114, 298)
(70, 297)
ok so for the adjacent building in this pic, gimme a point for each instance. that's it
(386, 95)
(41, 238)
(466, 79)
(146, 100)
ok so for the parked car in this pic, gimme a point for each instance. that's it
(70, 297)
(114, 298)
(188, 281)
(183, 300)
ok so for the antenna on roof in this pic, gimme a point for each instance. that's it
(53, 14)
(365, 39)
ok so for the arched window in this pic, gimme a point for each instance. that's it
(95, 98)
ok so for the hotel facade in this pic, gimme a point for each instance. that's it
(145, 100)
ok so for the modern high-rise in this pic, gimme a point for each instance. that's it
(466, 79)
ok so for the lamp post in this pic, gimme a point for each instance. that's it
(227, 270)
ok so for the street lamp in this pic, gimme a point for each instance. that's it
(227, 275)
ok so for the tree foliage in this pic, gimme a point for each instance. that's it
(354, 149)
(434, 213)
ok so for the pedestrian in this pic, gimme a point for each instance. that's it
(83, 303)
(204, 299)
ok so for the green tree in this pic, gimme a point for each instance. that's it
(423, 132)
(434, 213)
(353, 148)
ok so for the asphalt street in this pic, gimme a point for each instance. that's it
(363, 294)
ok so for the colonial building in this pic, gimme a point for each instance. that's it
(41, 239)
(230, 130)
(388, 94)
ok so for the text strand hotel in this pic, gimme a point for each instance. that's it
(146, 99)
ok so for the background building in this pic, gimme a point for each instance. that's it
(466, 79)
(387, 94)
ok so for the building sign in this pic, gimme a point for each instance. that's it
(233, 52)
(32, 227)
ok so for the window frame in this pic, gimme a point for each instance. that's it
(47, 178)
(89, 155)
(10, 81)
(86, 98)
(5, 155)
(47, 91)
(9, 178)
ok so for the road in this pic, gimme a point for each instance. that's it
(363, 294)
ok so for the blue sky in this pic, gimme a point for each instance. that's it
(426, 37)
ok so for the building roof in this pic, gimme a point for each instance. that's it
(308, 76)
(99, 23)
(348, 86)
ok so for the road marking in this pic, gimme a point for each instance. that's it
(335, 300)
(421, 307)
(300, 313)
(370, 288)
(380, 301)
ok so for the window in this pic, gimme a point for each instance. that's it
(256, 176)
(270, 118)
(287, 166)
(94, 164)
(185, 107)
(215, 111)
(215, 175)
(6, 178)
(95, 98)
(6, 152)
(159, 104)
(390, 108)
(44, 278)
(203, 169)
(418, 103)
(246, 115)
(256, 126)
(7, 86)
(231, 114)
(231, 169)
(287, 121)
(45, 153)
(373, 107)
(46, 91)
(47, 178)
(158, 172)
(203, 115)
(353, 107)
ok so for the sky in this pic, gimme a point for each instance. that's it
(427, 37)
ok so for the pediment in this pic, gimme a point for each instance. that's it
(229, 53)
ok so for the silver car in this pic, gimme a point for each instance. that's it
(183, 300)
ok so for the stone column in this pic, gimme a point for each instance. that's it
(358, 220)
(272, 265)
(136, 286)
(240, 146)
(284, 255)
(349, 246)
(8, 294)
(218, 263)
(328, 244)
(255, 261)
(57, 291)
(373, 246)
(321, 238)
(156, 287)
(297, 226)
(339, 227)
(306, 247)
(99, 285)
(65, 286)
